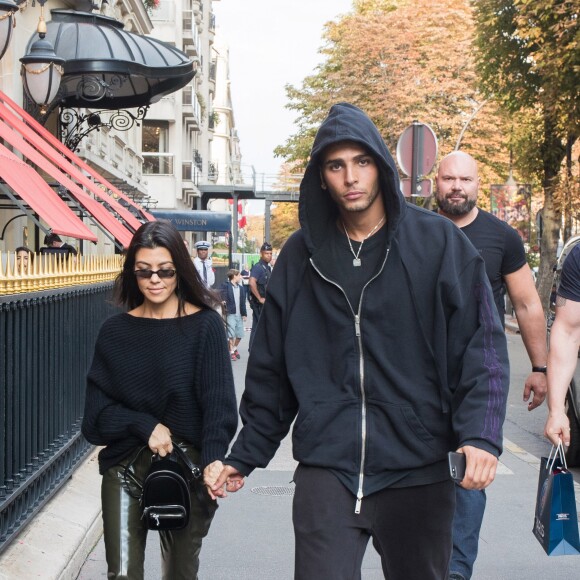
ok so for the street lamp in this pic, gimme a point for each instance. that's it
(8, 9)
(42, 69)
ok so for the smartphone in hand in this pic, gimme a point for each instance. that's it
(457, 465)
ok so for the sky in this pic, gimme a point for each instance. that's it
(272, 43)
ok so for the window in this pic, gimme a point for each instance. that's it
(155, 147)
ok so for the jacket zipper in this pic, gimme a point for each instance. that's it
(358, 334)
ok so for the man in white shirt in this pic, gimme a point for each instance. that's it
(203, 263)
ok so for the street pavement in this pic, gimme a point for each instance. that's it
(251, 537)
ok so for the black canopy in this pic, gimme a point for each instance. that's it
(109, 68)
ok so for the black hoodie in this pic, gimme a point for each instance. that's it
(379, 391)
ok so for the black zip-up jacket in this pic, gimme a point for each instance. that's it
(418, 368)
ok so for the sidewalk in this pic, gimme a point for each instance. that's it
(252, 539)
(55, 544)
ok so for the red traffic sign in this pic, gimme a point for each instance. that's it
(421, 137)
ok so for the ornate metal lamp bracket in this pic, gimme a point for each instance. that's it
(74, 127)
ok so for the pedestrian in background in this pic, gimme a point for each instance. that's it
(504, 255)
(564, 348)
(234, 300)
(203, 263)
(24, 258)
(160, 377)
(380, 342)
(53, 244)
(258, 282)
(245, 275)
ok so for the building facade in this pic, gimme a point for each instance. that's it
(158, 161)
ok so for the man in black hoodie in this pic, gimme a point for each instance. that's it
(380, 340)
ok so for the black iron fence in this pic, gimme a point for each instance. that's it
(46, 346)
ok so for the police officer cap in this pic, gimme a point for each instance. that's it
(266, 247)
(202, 245)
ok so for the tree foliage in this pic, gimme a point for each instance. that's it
(401, 60)
(284, 222)
(395, 60)
(528, 58)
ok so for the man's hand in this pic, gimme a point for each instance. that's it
(536, 382)
(220, 478)
(160, 440)
(480, 468)
(558, 428)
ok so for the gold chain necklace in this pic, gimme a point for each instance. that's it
(357, 261)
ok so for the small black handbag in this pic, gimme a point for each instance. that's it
(165, 493)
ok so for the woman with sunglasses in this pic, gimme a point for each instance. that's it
(161, 376)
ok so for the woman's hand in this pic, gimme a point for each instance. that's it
(229, 476)
(212, 472)
(160, 440)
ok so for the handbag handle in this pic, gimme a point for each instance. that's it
(557, 451)
(194, 469)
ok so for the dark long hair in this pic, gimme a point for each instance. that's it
(190, 288)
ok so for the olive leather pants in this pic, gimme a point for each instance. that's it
(125, 533)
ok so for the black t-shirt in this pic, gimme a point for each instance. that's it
(338, 260)
(502, 251)
(570, 279)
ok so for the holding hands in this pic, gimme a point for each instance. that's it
(220, 478)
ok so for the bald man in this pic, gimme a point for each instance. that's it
(503, 252)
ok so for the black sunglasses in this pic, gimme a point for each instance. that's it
(163, 273)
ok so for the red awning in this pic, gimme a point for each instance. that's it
(93, 207)
(41, 198)
(17, 114)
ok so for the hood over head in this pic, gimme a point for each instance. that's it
(317, 210)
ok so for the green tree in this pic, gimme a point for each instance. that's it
(411, 68)
(284, 222)
(528, 58)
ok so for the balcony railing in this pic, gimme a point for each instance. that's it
(212, 70)
(213, 172)
(198, 160)
(189, 174)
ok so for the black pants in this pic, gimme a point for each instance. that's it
(125, 534)
(410, 528)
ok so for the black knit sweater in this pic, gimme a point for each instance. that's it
(171, 371)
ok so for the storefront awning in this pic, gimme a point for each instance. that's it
(196, 221)
(34, 191)
(19, 114)
(32, 140)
